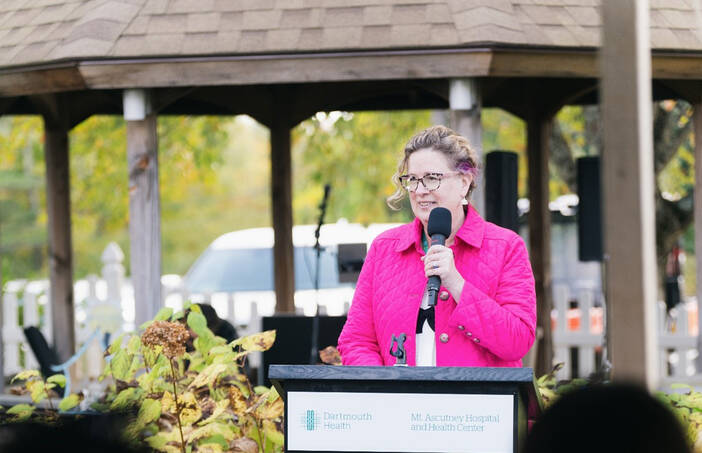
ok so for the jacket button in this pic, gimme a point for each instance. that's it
(461, 328)
(444, 295)
(476, 340)
(468, 334)
(444, 337)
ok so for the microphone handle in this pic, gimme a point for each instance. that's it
(434, 282)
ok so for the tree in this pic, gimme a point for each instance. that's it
(357, 153)
(577, 132)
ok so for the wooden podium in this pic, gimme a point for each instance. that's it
(406, 409)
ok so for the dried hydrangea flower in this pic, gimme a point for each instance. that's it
(169, 335)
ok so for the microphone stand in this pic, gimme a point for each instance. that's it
(318, 252)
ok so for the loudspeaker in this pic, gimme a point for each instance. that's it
(293, 340)
(589, 209)
(501, 175)
(350, 259)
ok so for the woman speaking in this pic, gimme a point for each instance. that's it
(485, 313)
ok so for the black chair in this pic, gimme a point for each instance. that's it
(45, 354)
(48, 359)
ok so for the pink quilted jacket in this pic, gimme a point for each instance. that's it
(493, 323)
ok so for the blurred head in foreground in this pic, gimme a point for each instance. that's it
(605, 418)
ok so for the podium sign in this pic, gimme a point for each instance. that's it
(412, 422)
(407, 409)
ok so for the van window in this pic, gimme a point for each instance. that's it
(237, 270)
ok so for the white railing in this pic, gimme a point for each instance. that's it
(578, 333)
(577, 329)
(106, 303)
(576, 321)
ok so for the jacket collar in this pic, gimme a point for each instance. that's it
(471, 232)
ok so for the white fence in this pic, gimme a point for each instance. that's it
(577, 323)
(106, 303)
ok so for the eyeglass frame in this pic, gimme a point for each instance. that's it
(440, 177)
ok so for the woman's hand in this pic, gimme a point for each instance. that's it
(439, 261)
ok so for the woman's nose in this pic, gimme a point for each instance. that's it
(421, 188)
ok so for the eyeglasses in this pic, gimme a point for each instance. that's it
(430, 181)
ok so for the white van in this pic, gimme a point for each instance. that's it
(236, 270)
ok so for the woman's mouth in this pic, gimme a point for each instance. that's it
(425, 204)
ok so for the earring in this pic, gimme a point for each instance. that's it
(464, 202)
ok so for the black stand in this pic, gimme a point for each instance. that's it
(321, 396)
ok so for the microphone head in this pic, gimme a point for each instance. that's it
(439, 222)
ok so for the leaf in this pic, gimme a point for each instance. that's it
(273, 395)
(116, 345)
(126, 398)
(330, 355)
(37, 389)
(237, 400)
(149, 411)
(220, 408)
(212, 447)
(211, 429)
(681, 386)
(245, 445)
(272, 433)
(257, 342)
(208, 375)
(24, 375)
(163, 314)
(261, 389)
(120, 365)
(21, 411)
(217, 440)
(273, 410)
(168, 403)
(134, 344)
(160, 439)
(198, 323)
(58, 379)
(190, 411)
(69, 402)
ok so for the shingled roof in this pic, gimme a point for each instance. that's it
(41, 31)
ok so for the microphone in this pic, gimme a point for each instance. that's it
(438, 228)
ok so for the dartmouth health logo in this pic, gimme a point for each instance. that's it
(310, 421)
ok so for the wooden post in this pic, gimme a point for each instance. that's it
(538, 132)
(628, 188)
(697, 119)
(281, 202)
(465, 103)
(58, 201)
(144, 214)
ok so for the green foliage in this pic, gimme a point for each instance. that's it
(358, 154)
(687, 406)
(200, 402)
(40, 390)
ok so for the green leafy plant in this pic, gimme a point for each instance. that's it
(40, 390)
(192, 401)
(687, 405)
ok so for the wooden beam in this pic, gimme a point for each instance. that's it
(465, 103)
(628, 188)
(281, 203)
(58, 202)
(538, 133)
(144, 217)
(286, 68)
(697, 118)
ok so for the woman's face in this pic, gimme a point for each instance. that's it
(452, 189)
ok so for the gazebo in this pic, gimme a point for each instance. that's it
(281, 61)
